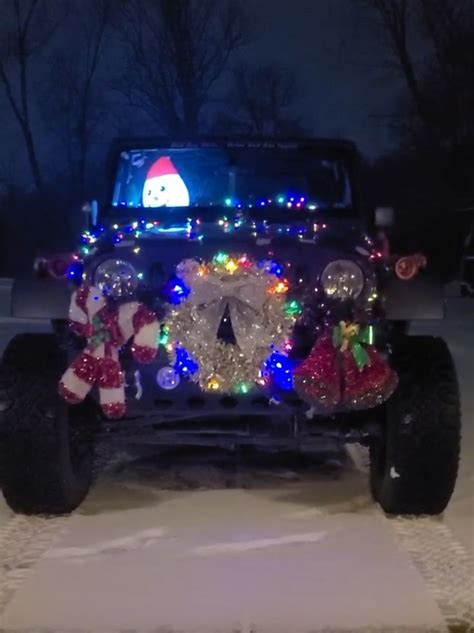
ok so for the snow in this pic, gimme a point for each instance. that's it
(206, 541)
(393, 473)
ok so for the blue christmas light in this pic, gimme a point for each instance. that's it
(74, 271)
(276, 269)
(176, 290)
(185, 365)
(280, 368)
(272, 266)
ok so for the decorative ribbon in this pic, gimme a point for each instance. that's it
(352, 336)
(244, 297)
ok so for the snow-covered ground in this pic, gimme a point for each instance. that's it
(195, 541)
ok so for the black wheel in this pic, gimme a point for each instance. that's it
(413, 466)
(46, 447)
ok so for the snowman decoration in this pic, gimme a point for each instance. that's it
(164, 187)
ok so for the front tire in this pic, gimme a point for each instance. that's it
(46, 447)
(413, 466)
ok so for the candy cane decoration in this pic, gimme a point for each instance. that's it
(107, 330)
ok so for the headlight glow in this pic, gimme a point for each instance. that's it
(342, 279)
(116, 278)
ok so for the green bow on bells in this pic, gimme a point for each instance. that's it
(354, 337)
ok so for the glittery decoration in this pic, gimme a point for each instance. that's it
(317, 379)
(332, 379)
(146, 330)
(85, 368)
(106, 330)
(369, 387)
(143, 354)
(143, 316)
(114, 411)
(69, 396)
(252, 296)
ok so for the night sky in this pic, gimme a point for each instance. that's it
(323, 41)
(326, 43)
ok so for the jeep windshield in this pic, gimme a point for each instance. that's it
(270, 180)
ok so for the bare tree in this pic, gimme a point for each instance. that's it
(261, 101)
(26, 29)
(391, 21)
(441, 89)
(178, 50)
(74, 93)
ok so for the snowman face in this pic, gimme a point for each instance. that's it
(165, 191)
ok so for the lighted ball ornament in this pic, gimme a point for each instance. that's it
(167, 378)
(253, 295)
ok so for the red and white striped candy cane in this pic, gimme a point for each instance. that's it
(107, 330)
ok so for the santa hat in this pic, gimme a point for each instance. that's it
(162, 167)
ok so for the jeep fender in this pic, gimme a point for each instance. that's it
(36, 298)
(423, 297)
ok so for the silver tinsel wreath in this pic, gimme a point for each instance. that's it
(255, 299)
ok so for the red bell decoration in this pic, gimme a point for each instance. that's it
(344, 371)
(317, 380)
(368, 387)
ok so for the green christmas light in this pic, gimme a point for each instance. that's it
(243, 387)
(221, 258)
(164, 336)
(371, 335)
(293, 308)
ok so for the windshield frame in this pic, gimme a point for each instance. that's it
(342, 151)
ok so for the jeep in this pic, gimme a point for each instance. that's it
(230, 292)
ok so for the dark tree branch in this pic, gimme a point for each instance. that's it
(178, 50)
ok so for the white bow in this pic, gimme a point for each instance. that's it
(244, 296)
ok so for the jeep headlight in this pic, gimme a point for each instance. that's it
(342, 279)
(116, 278)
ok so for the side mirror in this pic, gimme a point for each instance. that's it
(91, 210)
(384, 217)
